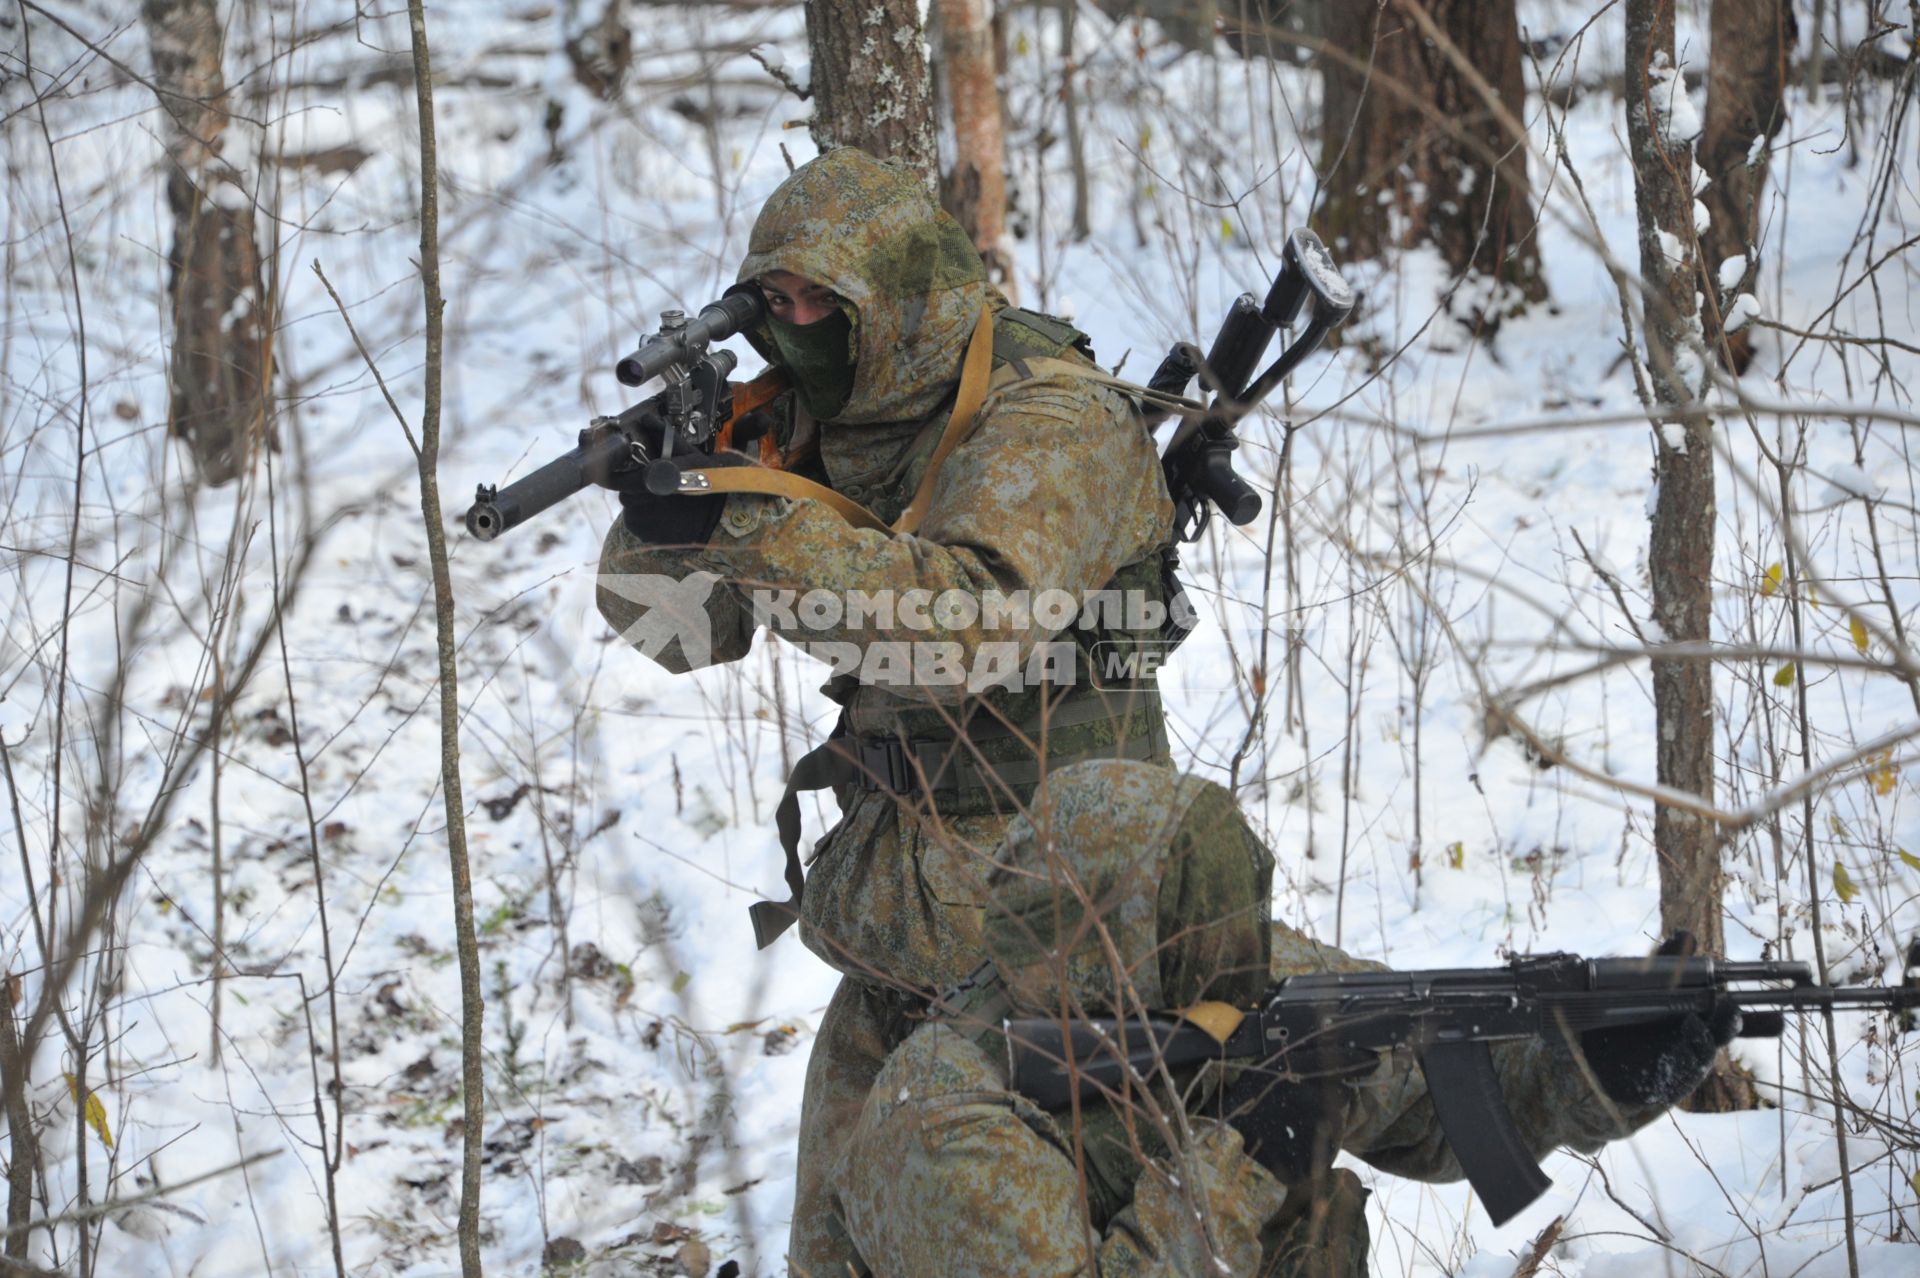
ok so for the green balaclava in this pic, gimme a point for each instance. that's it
(1128, 881)
(820, 356)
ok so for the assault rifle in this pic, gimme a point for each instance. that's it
(1312, 1025)
(1198, 461)
(696, 405)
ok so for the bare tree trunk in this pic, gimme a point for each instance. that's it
(427, 454)
(1070, 108)
(222, 366)
(1746, 79)
(1680, 545)
(1816, 56)
(22, 1149)
(975, 189)
(1401, 119)
(870, 84)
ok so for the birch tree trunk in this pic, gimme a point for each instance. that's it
(974, 190)
(870, 84)
(221, 369)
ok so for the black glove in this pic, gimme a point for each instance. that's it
(1660, 1062)
(673, 519)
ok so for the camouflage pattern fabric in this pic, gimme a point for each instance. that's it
(894, 897)
(942, 1139)
(1127, 887)
(949, 1174)
(1321, 1233)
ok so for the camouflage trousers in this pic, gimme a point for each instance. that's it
(862, 1025)
(948, 1174)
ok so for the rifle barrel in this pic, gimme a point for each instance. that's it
(495, 511)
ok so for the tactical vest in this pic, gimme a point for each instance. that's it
(989, 755)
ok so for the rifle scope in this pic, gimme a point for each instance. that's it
(680, 340)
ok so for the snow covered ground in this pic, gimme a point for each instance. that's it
(644, 1062)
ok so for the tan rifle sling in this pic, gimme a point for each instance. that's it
(976, 374)
(978, 379)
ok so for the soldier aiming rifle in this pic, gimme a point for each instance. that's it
(915, 437)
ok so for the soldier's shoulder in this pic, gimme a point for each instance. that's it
(1022, 333)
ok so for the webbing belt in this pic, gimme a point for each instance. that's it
(927, 768)
(977, 1007)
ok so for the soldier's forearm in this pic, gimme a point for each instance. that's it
(670, 607)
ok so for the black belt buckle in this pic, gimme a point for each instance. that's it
(909, 770)
(883, 765)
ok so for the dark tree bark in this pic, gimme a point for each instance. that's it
(1751, 41)
(974, 190)
(1680, 544)
(222, 365)
(1407, 140)
(870, 84)
(22, 1147)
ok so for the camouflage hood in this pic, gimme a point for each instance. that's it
(869, 231)
(1176, 881)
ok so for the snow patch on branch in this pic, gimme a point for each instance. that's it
(1844, 482)
(1730, 272)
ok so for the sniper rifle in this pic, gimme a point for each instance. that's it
(699, 402)
(686, 417)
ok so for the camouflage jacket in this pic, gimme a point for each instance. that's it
(1057, 487)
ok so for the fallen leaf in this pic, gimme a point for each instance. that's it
(694, 1259)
